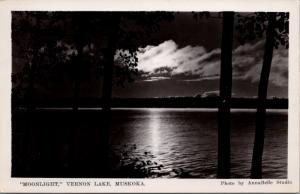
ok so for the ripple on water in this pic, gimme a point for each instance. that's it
(187, 140)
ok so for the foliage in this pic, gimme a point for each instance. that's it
(59, 38)
(129, 163)
(254, 25)
(125, 67)
(199, 15)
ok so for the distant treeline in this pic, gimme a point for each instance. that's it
(172, 102)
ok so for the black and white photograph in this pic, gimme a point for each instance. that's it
(150, 95)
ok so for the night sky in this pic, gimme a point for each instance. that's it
(182, 58)
(186, 62)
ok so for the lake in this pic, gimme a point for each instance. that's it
(186, 139)
(60, 143)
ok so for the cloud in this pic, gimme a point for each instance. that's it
(213, 93)
(156, 78)
(195, 63)
(209, 94)
(279, 69)
(248, 60)
(168, 59)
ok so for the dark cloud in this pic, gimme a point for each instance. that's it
(248, 60)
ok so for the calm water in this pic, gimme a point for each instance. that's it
(187, 139)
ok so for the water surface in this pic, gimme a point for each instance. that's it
(186, 139)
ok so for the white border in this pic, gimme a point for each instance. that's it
(8, 184)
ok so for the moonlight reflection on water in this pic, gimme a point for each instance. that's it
(154, 127)
(187, 139)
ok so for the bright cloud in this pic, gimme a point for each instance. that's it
(187, 60)
(194, 63)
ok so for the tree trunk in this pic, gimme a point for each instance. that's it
(76, 83)
(225, 97)
(80, 38)
(108, 79)
(30, 90)
(107, 95)
(32, 143)
(109, 63)
(32, 68)
(256, 168)
(73, 157)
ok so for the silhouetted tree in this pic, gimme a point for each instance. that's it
(127, 31)
(126, 38)
(38, 52)
(250, 27)
(27, 43)
(256, 168)
(225, 96)
(24, 23)
(83, 29)
(223, 170)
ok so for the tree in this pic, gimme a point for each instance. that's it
(123, 37)
(256, 168)
(276, 27)
(225, 97)
(39, 54)
(223, 170)
(22, 23)
(129, 38)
